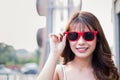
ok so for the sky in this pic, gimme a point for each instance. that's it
(19, 21)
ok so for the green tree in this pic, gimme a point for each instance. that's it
(7, 54)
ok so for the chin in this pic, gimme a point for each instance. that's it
(83, 55)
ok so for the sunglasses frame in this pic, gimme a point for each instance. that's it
(81, 34)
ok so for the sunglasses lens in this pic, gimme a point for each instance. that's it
(88, 36)
(72, 36)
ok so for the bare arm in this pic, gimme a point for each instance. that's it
(49, 68)
(57, 44)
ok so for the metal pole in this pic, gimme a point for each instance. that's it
(7, 76)
(69, 7)
(80, 4)
(49, 26)
(117, 43)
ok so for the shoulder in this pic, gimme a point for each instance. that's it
(59, 68)
(59, 71)
(56, 73)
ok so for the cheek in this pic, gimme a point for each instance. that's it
(72, 45)
(93, 44)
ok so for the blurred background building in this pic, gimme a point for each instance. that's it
(22, 19)
(116, 23)
(57, 13)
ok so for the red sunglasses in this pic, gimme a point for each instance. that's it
(87, 36)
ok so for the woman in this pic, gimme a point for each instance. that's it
(85, 51)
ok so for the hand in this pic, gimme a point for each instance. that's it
(57, 43)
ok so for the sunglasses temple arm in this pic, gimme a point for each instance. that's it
(65, 33)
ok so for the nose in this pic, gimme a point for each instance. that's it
(81, 41)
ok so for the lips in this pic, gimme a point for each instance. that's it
(82, 49)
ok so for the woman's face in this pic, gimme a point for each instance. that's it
(80, 47)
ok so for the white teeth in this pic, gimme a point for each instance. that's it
(82, 49)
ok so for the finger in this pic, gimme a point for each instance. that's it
(61, 36)
(53, 37)
(64, 39)
(50, 35)
(56, 37)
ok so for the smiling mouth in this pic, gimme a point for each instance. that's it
(82, 50)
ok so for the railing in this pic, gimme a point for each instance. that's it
(17, 77)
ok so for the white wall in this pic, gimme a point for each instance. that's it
(19, 23)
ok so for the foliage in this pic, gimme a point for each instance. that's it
(8, 56)
(6, 53)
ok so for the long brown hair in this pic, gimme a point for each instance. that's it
(103, 65)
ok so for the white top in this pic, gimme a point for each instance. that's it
(63, 70)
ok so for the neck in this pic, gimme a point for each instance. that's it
(82, 64)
